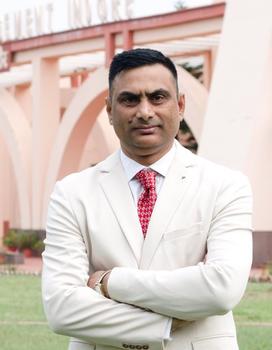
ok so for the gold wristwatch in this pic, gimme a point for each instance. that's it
(99, 287)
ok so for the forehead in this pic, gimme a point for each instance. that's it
(144, 79)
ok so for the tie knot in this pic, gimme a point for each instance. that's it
(147, 178)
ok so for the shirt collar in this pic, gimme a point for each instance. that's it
(161, 166)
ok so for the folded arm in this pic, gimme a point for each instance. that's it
(210, 288)
(76, 310)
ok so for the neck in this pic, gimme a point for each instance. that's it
(147, 158)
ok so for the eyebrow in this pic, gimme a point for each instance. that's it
(157, 92)
(128, 93)
(148, 94)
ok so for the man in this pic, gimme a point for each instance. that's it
(151, 248)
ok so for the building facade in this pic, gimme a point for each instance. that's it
(52, 110)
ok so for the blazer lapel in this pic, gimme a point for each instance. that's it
(170, 197)
(115, 186)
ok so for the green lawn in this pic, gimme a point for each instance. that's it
(23, 325)
(22, 322)
(254, 318)
(256, 306)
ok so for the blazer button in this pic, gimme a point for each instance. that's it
(125, 346)
(145, 347)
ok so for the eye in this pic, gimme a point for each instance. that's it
(129, 100)
(157, 98)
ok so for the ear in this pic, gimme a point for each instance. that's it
(181, 105)
(109, 108)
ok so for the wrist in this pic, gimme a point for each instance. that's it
(104, 284)
(101, 284)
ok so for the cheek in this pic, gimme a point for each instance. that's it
(173, 119)
(120, 126)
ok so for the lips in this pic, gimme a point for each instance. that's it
(145, 129)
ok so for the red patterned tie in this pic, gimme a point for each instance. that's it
(146, 202)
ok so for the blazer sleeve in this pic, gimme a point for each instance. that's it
(212, 287)
(75, 310)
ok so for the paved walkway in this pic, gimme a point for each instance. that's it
(30, 265)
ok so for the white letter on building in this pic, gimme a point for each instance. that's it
(116, 10)
(18, 25)
(38, 15)
(129, 9)
(88, 12)
(50, 9)
(7, 27)
(76, 13)
(102, 10)
(29, 22)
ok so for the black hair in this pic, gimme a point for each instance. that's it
(135, 58)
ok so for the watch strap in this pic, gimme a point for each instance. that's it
(99, 284)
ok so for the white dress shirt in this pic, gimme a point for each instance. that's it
(131, 168)
(162, 166)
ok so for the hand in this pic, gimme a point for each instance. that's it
(96, 278)
(176, 324)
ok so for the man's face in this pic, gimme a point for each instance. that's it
(145, 111)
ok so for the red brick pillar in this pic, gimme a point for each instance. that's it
(109, 47)
(127, 39)
(6, 227)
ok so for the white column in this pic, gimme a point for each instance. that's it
(238, 122)
(45, 120)
(8, 198)
(3, 186)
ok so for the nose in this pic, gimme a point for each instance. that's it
(145, 110)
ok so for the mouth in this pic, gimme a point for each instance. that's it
(146, 129)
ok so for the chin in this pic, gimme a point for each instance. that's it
(148, 140)
(147, 145)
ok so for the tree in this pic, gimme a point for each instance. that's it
(180, 5)
(195, 70)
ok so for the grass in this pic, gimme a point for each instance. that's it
(253, 318)
(22, 322)
(256, 306)
(23, 325)
(30, 337)
(254, 338)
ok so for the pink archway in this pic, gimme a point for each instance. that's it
(74, 129)
(15, 131)
(196, 97)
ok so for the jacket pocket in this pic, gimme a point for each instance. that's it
(217, 342)
(183, 247)
(192, 230)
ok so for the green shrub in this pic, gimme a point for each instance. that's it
(11, 239)
(38, 247)
(25, 239)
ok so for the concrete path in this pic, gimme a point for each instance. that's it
(31, 265)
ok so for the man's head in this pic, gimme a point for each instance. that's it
(137, 58)
(144, 106)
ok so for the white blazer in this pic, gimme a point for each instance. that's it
(193, 265)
